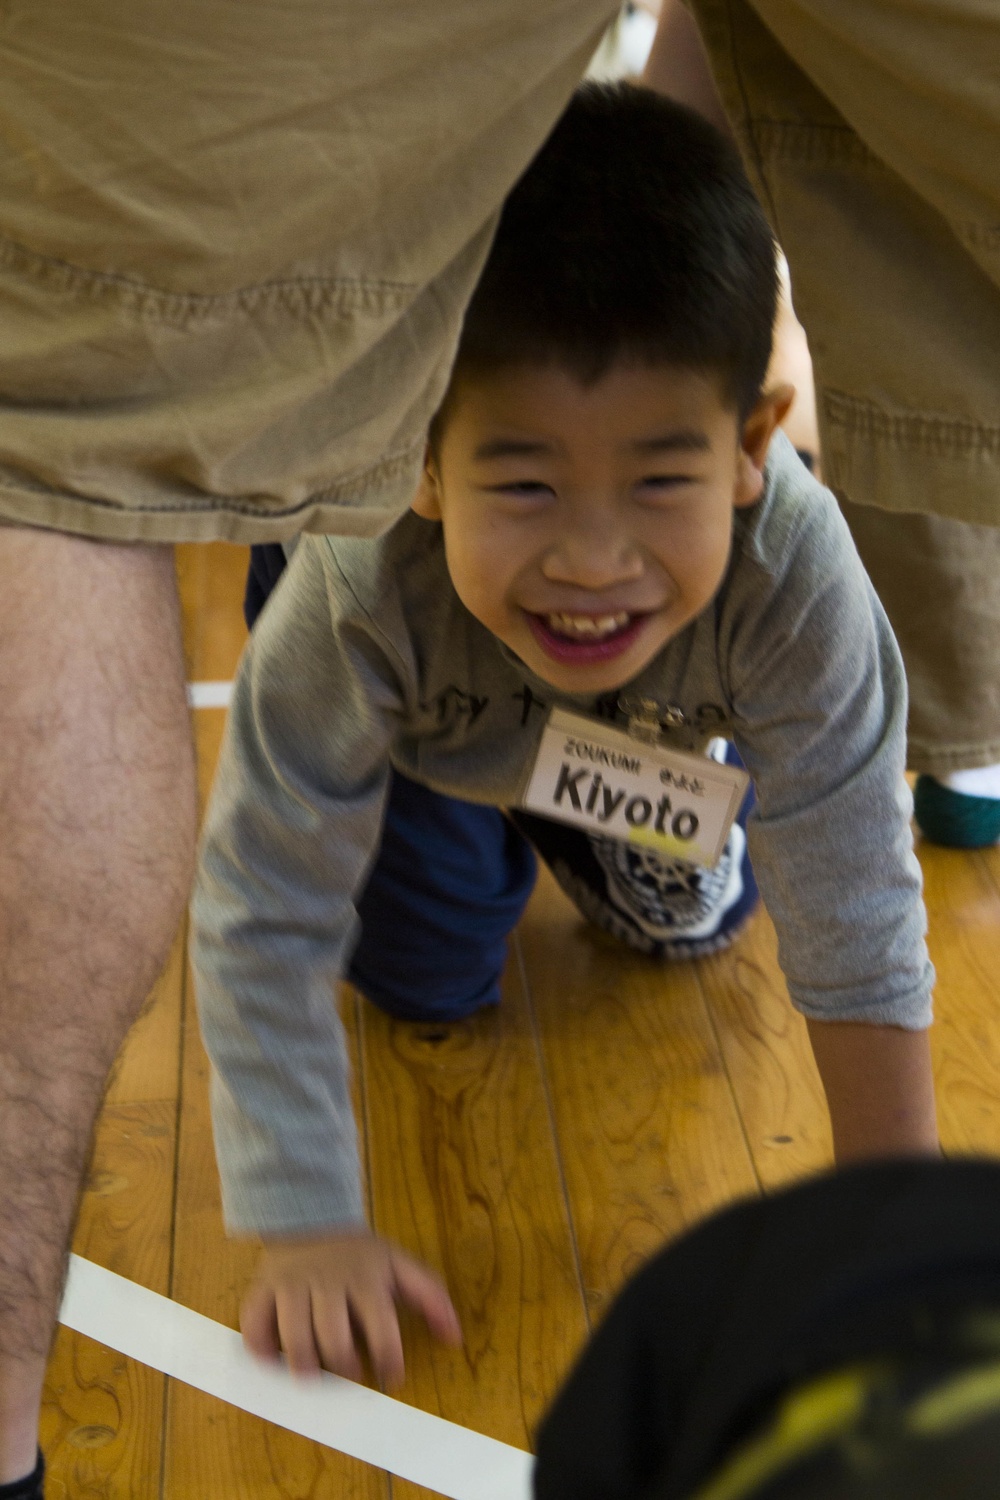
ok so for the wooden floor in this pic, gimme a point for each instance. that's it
(535, 1155)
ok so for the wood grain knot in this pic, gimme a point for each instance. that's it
(93, 1436)
(103, 1184)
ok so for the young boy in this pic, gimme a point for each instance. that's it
(606, 569)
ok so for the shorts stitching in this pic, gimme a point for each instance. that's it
(930, 758)
(750, 124)
(298, 295)
(349, 489)
(791, 140)
(935, 436)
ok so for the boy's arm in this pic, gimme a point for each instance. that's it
(879, 1089)
(292, 827)
(819, 704)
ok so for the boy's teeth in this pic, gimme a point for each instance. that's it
(587, 625)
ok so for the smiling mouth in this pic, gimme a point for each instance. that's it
(587, 627)
(581, 639)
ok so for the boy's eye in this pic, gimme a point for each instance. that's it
(662, 486)
(665, 481)
(527, 487)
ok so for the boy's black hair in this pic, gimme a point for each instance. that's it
(633, 235)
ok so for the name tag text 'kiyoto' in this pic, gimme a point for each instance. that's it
(595, 776)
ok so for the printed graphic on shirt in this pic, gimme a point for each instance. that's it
(454, 704)
(528, 701)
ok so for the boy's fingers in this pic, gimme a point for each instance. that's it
(259, 1323)
(335, 1336)
(295, 1329)
(374, 1312)
(315, 1302)
(426, 1294)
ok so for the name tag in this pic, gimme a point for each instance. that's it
(599, 778)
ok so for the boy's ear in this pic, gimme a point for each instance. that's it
(755, 439)
(427, 501)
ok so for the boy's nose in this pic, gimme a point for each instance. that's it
(593, 557)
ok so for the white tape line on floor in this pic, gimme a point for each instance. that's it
(141, 1324)
(209, 694)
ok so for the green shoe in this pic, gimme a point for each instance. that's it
(954, 819)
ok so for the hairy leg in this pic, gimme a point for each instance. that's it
(97, 818)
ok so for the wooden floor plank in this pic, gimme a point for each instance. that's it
(102, 1419)
(648, 1132)
(464, 1175)
(209, 727)
(766, 1045)
(212, 1448)
(147, 1065)
(989, 860)
(963, 901)
(210, 579)
(768, 1057)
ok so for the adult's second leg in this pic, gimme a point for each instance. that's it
(938, 580)
(97, 818)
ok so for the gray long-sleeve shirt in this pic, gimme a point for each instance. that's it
(365, 657)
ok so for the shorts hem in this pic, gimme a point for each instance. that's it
(908, 461)
(940, 760)
(346, 509)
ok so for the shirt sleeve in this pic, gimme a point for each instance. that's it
(819, 704)
(292, 827)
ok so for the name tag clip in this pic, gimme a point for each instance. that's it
(647, 719)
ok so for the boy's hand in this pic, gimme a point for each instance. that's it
(313, 1299)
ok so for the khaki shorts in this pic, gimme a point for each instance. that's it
(236, 243)
(940, 583)
(872, 133)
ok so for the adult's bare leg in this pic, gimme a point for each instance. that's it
(97, 819)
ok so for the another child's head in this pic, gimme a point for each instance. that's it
(606, 410)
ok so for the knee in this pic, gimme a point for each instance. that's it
(97, 774)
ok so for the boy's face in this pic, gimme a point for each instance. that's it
(586, 525)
